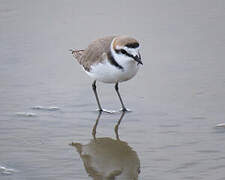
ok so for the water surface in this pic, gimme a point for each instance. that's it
(177, 98)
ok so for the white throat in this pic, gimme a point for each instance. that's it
(119, 58)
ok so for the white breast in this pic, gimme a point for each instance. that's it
(108, 73)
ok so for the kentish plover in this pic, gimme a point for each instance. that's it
(111, 59)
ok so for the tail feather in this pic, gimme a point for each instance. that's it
(77, 54)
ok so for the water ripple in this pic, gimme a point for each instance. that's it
(221, 125)
(26, 114)
(46, 108)
(6, 171)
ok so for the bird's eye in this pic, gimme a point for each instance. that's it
(123, 51)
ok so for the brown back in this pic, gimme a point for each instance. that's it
(94, 52)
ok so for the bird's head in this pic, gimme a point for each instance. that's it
(127, 48)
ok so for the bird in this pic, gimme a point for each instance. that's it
(110, 59)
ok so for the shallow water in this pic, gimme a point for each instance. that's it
(176, 129)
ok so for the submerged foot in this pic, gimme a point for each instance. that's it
(106, 111)
(113, 111)
(125, 110)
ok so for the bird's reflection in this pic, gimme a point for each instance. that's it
(109, 159)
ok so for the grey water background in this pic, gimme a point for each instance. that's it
(177, 98)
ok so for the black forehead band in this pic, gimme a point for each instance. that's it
(132, 45)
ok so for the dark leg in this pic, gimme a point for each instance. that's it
(118, 93)
(96, 95)
(96, 124)
(117, 125)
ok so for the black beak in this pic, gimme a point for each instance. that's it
(138, 59)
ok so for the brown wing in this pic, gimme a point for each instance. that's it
(77, 54)
(94, 52)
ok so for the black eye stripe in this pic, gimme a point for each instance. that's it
(122, 51)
